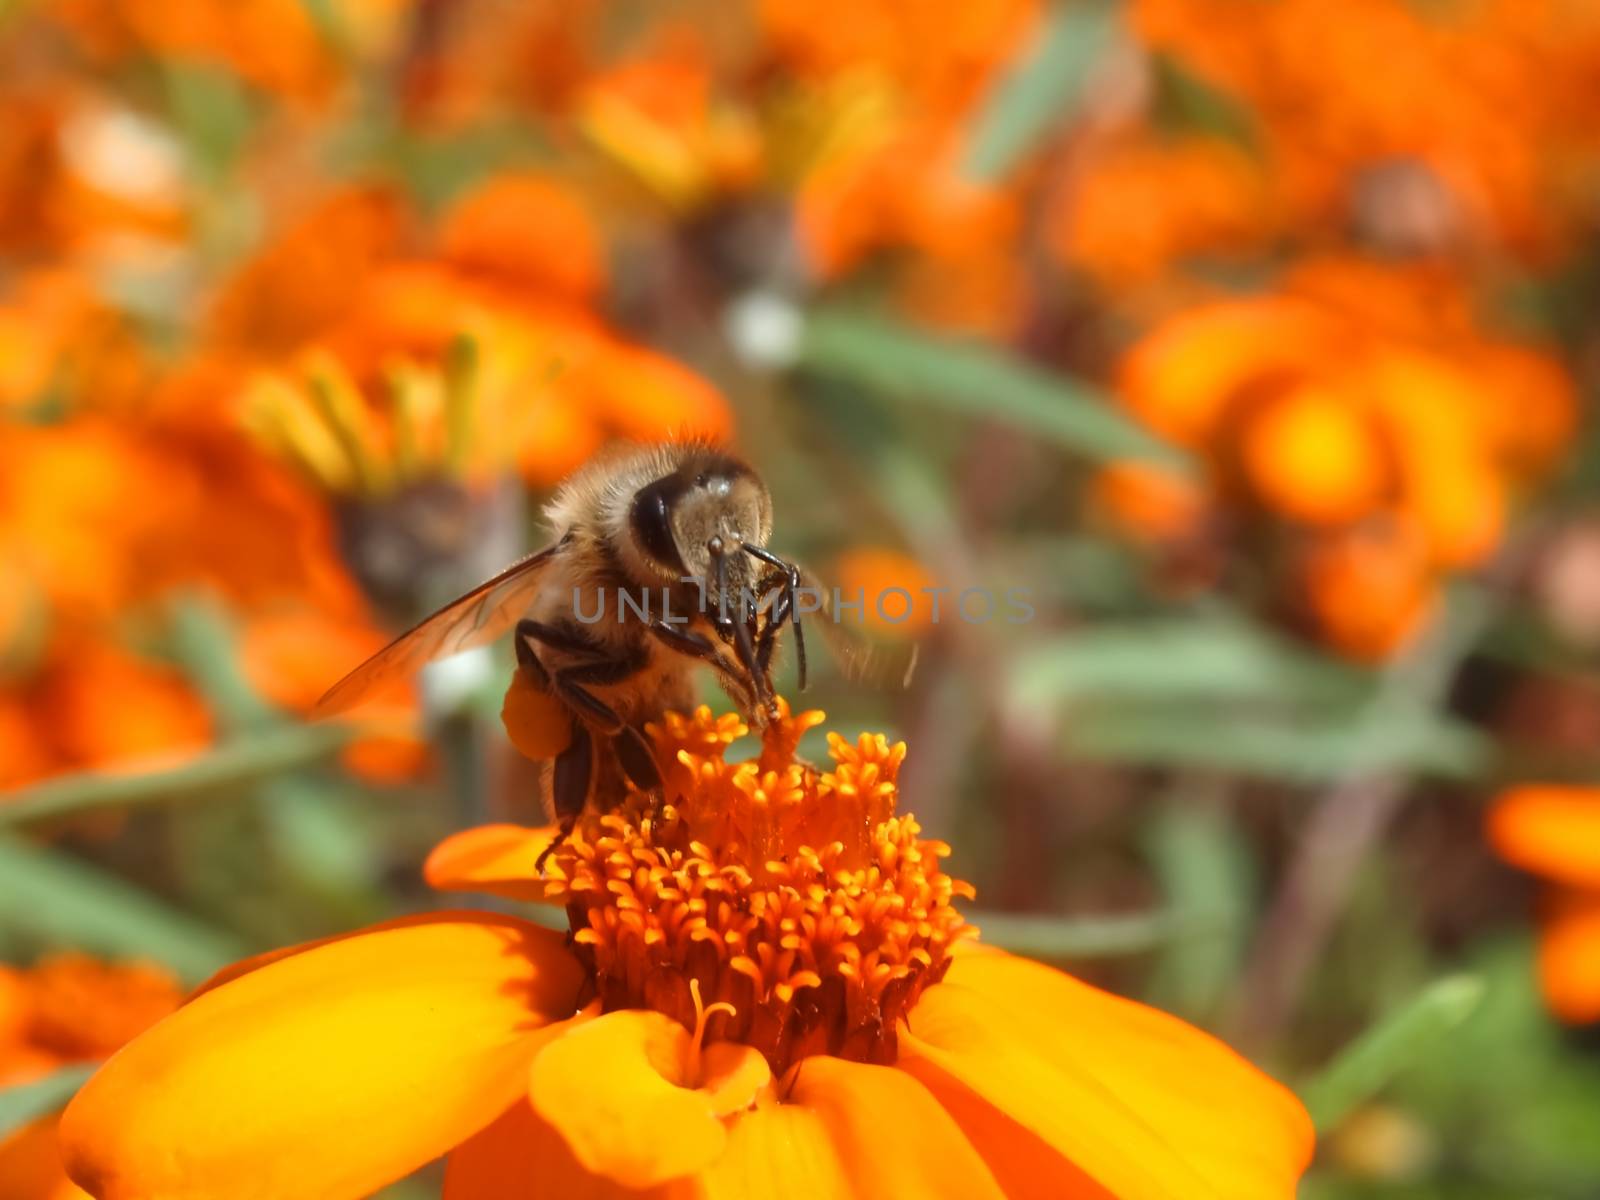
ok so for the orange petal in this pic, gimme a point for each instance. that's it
(777, 1152)
(1144, 1104)
(520, 1157)
(265, 959)
(30, 1165)
(1024, 1165)
(1569, 958)
(1551, 829)
(614, 1089)
(329, 1073)
(891, 1136)
(498, 859)
(733, 1075)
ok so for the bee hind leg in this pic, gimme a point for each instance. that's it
(569, 789)
(637, 758)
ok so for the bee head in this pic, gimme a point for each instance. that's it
(712, 502)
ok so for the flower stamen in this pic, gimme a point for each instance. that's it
(762, 902)
(702, 1013)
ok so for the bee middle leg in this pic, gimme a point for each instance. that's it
(572, 777)
(572, 683)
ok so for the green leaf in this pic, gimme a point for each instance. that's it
(1205, 869)
(972, 379)
(1193, 659)
(227, 767)
(1188, 104)
(212, 111)
(1042, 90)
(29, 1101)
(60, 900)
(204, 643)
(1061, 938)
(1411, 1033)
(1252, 741)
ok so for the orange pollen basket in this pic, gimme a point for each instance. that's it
(807, 914)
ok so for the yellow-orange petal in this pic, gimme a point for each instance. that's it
(30, 1165)
(521, 1157)
(1024, 1165)
(329, 1073)
(1569, 958)
(1144, 1104)
(777, 1152)
(889, 1133)
(1551, 829)
(615, 1089)
(497, 859)
(733, 1075)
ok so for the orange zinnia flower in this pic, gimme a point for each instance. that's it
(1554, 832)
(766, 991)
(66, 1009)
(1363, 404)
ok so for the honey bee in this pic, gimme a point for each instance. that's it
(659, 565)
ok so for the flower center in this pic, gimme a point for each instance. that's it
(793, 895)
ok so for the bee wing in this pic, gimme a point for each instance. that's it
(480, 616)
(874, 664)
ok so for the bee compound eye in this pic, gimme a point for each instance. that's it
(650, 519)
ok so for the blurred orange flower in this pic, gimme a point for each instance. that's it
(58, 341)
(1471, 134)
(85, 564)
(685, 1041)
(1370, 591)
(66, 1009)
(288, 656)
(453, 367)
(1554, 831)
(1149, 502)
(1139, 206)
(894, 589)
(657, 114)
(1365, 406)
(273, 44)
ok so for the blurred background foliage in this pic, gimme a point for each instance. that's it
(1250, 340)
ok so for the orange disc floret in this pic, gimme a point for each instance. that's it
(796, 896)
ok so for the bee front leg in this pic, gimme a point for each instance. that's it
(698, 645)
